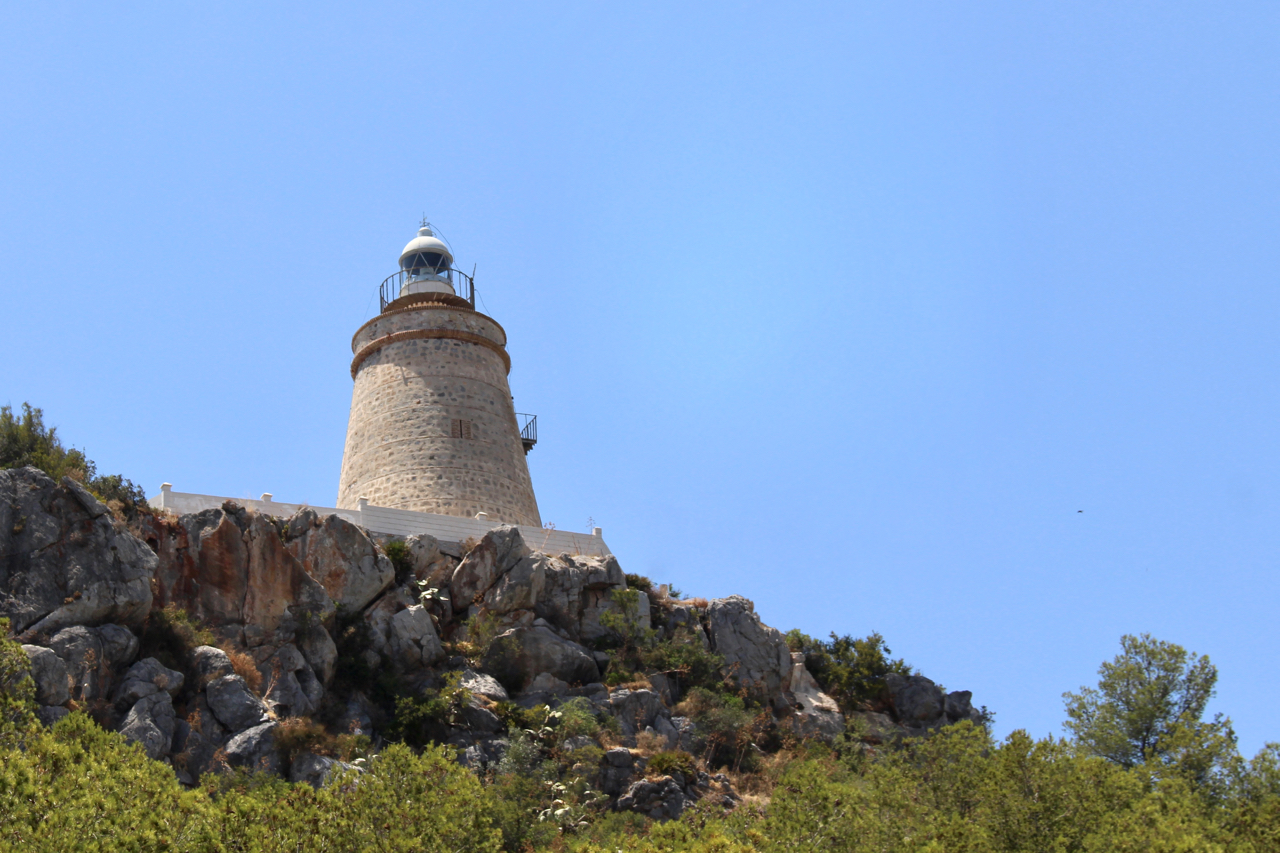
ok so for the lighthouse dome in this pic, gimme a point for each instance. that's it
(426, 253)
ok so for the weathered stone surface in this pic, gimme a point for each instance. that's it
(210, 664)
(917, 701)
(617, 771)
(660, 799)
(635, 710)
(480, 719)
(81, 649)
(518, 656)
(341, 556)
(578, 590)
(816, 713)
(875, 728)
(53, 683)
(320, 651)
(518, 587)
(65, 562)
(499, 550)
(254, 748)
(146, 678)
(49, 715)
(233, 703)
(292, 688)
(684, 617)
(755, 655)
(958, 705)
(119, 644)
(150, 722)
(229, 569)
(379, 615)
(483, 685)
(414, 642)
(315, 770)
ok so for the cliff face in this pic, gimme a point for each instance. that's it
(308, 617)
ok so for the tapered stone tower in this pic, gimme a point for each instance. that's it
(432, 425)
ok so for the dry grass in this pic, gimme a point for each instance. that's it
(246, 669)
(648, 743)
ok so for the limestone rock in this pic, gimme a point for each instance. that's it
(150, 722)
(81, 649)
(65, 562)
(816, 713)
(49, 674)
(320, 651)
(210, 664)
(917, 701)
(229, 569)
(233, 703)
(518, 656)
(483, 685)
(315, 770)
(146, 678)
(755, 655)
(341, 556)
(49, 715)
(292, 688)
(636, 710)
(617, 771)
(499, 550)
(660, 799)
(119, 644)
(254, 748)
(414, 642)
(959, 705)
(518, 587)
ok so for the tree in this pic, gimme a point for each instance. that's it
(1147, 711)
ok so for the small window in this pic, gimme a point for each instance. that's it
(461, 429)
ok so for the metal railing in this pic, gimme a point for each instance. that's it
(528, 430)
(463, 285)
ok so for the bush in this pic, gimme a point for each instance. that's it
(577, 719)
(725, 725)
(170, 635)
(244, 666)
(684, 660)
(17, 692)
(398, 553)
(639, 582)
(426, 719)
(670, 762)
(297, 735)
(851, 671)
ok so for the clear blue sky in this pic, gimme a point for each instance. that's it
(850, 309)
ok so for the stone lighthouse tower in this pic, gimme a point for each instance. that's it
(432, 425)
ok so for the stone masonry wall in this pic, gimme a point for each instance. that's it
(401, 450)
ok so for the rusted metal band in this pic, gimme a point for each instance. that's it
(419, 334)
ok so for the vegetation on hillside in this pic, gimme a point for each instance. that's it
(25, 440)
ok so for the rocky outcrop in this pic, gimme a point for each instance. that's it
(63, 562)
(755, 655)
(816, 713)
(518, 656)
(53, 684)
(661, 799)
(229, 568)
(341, 556)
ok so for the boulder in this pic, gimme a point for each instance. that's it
(480, 719)
(816, 713)
(320, 651)
(66, 562)
(414, 642)
(499, 550)
(518, 656)
(49, 715)
(755, 655)
(233, 704)
(635, 710)
(53, 683)
(429, 563)
(146, 678)
(90, 671)
(483, 685)
(959, 705)
(518, 587)
(315, 770)
(661, 799)
(577, 590)
(119, 644)
(151, 722)
(292, 688)
(210, 664)
(254, 748)
(617, 771)
(341, 556)
(916, 700)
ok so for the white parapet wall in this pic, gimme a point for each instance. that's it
(395, 522)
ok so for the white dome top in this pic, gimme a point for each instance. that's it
(428, 242)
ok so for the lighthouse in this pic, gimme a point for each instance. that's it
(433, 427)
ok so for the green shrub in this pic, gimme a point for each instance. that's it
(672, 761)
(17, 692)
(398, 553)
(683, 659)
(725, 726)
(428, 718)
(639, 582)
(170, 634)
(851, 671)
(576, 718)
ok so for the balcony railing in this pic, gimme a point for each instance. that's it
(528, 430)
(462, 284)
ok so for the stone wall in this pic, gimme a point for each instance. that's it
(432, 426)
